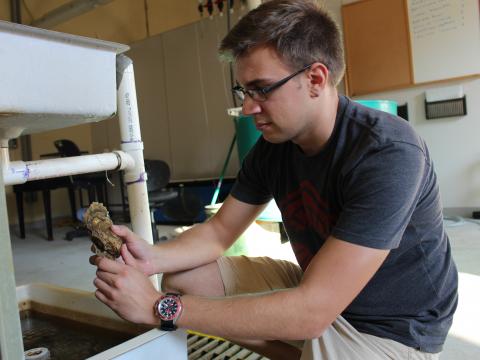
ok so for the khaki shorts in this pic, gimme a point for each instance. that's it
(341, 341)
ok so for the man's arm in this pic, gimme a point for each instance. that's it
(205, 242)
(335, 276)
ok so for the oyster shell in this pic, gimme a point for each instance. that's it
(98, 222)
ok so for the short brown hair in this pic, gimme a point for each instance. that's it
(300, 31)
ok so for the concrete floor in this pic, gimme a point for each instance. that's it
(66, 264)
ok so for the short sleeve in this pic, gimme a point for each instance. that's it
(379, 195)
(251, 185)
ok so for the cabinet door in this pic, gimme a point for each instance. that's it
(377, 46)
(187, 118)
(148, 61)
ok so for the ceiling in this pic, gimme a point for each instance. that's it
(124, 21)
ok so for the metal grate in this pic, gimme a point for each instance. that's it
(206, 348)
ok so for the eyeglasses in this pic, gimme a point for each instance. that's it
(260, 94)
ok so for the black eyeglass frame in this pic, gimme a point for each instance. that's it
(254, 94)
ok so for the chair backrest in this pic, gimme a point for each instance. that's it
(158, 174)
(67, 148)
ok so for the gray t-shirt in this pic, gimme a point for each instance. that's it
(373, 184)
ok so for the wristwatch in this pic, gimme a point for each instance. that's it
(168, 309)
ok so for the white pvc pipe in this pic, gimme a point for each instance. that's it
(19, 172)
(4, 161)
(135, 177)
(11, 344)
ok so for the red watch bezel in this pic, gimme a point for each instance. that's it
(174, 316)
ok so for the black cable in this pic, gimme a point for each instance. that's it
(15, 11)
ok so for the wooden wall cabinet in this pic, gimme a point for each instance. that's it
(377, 46)
(392, 44)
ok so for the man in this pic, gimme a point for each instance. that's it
(360, 203)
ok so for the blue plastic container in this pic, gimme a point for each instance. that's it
(388, 106)
(247, 135)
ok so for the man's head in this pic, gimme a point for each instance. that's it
(298, 30)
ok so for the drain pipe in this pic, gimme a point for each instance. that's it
(4, 158)
(11, 343)
(19, 172)
(136, 177)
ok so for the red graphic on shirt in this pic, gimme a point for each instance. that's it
(302, 210)
(303, 254)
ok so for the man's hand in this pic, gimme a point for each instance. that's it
(135, 251)
(126, 290)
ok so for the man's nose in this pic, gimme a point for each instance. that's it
(250, 106)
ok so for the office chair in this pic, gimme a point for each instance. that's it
(158, 177)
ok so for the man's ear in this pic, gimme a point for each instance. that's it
(318, 76)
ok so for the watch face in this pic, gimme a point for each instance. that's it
(168, 308)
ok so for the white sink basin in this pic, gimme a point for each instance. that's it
(50, 80)
(82, 307)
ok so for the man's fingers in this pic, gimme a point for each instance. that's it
(125, 233)
(122, 230)
(108, 265)
(92, 259)
(127, 255)
(100, 296)
(106, 277)
(104, 288)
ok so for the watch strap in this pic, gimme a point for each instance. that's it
(167, 325)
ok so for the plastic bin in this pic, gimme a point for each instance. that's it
(247, 135)
(388, 106)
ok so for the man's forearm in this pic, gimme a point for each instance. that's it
(195, 247)
(277, 315)
(205, 242)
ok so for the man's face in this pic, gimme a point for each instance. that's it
(283, 115)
